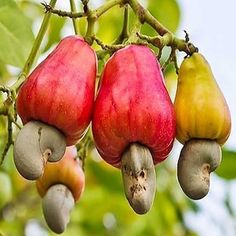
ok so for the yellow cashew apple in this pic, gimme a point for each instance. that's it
(203, 125)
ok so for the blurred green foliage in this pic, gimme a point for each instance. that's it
(227, 168)
(103, 209)
(16, 35)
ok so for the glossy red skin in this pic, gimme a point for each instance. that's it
(60, 91)
(133, 105)
(67, 171)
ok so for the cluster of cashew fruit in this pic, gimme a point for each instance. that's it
(134, 123)
(55, 104)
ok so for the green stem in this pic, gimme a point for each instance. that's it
(49, 8)
(90, 28)
(9, 141)
(34, 49)
(133, 37)
(165, 38)
(158, 41)
(125, 29)
(3, 110)
(73, 9)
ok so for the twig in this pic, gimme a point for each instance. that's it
(9, 141)
(111, 48)
(146, 17)
(125, 28)
(73, 9)
(49, 9)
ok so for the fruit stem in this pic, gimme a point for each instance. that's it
(146, 17)
(34, 49)
(125, 29)
(73, 9)
(139, 177)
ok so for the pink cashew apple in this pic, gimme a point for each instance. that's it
(133, 122)
(55, 104)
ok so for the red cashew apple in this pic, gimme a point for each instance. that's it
(133, 122)
(60, 186)
(55, 105)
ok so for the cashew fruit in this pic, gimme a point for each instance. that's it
(200, 107)
(60, 187)
(55, 104)
(133, 106)
(60, 90)
(203, 125)
(67, 171)
(133, 121)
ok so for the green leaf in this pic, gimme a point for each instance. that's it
(110, 25)
(227, 168)
(16, 34)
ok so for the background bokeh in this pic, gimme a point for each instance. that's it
(103, 209)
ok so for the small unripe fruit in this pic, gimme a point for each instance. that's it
(61, 186)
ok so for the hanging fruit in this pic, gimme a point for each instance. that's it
(203, 125)
(133, 122)
(55, 105)
(60, 187)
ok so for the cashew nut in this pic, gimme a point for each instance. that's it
(198, 158)
(139, 177)
(57, 204)
(36, 144)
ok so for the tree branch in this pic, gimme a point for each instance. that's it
(168, 37)
(49, 9)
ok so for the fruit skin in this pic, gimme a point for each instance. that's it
(200, 107)
(67, 171)
(133, 106)
(60, 91)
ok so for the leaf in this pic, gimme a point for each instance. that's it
(227, 168)
(16, 34)
(110, 25)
